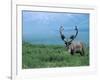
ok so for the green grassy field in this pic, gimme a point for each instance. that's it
(46, 56)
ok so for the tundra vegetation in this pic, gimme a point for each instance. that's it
(49, 39)
(47, 56)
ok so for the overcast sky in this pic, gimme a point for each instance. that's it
(45, 25)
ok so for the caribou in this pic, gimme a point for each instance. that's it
(71, 45)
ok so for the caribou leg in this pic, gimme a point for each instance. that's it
(72, 52)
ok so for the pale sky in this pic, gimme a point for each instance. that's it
(44, 26)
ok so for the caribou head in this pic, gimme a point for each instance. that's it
(72, 46)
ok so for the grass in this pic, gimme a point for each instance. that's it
(46, 56)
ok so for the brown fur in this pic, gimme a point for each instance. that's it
(76, 47)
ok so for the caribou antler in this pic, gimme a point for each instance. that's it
(72, 37)
(61, 33)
